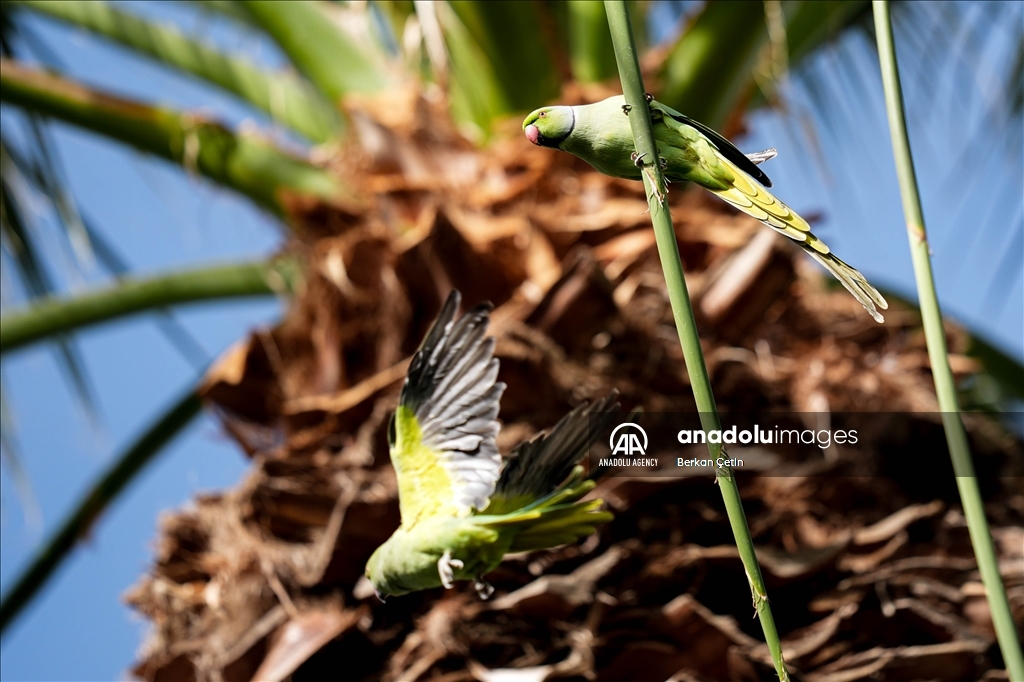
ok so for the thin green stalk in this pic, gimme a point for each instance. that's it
(682, 311)
(77, 525)
(51, 316)
(945, 388)
(319, 48)
(246, 163)
(286, 98)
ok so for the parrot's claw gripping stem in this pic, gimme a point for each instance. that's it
(626, 108)
(483, 588)
(638, 160)
(444, 568)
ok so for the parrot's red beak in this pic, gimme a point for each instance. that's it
(533, 134)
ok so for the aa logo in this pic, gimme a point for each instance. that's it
(626, 440)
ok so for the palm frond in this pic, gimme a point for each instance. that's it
(108, 486)
(10, 455)
(334, 60)
(20, 244)
(176, 333)
(288, 99)
(245, 163)
(60, 316)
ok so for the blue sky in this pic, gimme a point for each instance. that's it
(160, 218)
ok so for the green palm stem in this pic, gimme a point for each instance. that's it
(286, 98)
(704, 81)
(701, 78)
(668, 250)
(506, 32)
(590, 51)
(48, 317)
(474, 90)
(945, 388)
(812, 23)
(498, 61)
(319, 49)
(228, 9)
(35, 280)
(82, 518)
(247, 164)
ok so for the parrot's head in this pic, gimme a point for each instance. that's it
(548, 127)
(382, 571)
(376, 574)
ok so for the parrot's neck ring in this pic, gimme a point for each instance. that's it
(572, 127)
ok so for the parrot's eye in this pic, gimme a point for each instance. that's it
(542, 114)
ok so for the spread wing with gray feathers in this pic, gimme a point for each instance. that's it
(452, 389)
(538, 466)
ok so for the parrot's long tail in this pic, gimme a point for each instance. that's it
(853, 281)
(750, 197)
(560, 526)
(556, 519)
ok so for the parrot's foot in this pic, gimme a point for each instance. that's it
(444, 568)
(483, 588)
(626, 108)
(638, 160)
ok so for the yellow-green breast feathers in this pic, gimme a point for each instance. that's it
(443, 436)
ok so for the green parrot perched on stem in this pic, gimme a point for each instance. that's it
(600, 134)
(463, 508)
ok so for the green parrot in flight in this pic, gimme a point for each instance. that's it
(600, 134)
(464, 508)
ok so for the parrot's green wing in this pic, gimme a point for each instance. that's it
(727, 149)
(735, 178)
(543, 466)
(443, 433)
